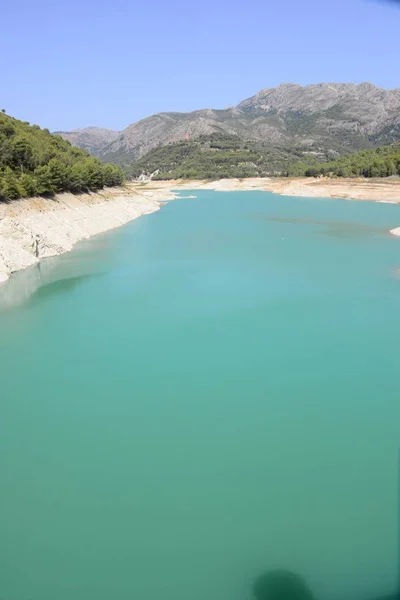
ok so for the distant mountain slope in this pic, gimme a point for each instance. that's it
(91, 139)
(324, 117)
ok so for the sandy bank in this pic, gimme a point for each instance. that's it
(35, 228)
(376, 190)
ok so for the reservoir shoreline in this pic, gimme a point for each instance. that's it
(36, 228)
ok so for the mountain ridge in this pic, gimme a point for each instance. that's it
(339, 117)
(89, 138)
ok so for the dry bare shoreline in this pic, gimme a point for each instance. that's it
(376, 190)
(35, 228)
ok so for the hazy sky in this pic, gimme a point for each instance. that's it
(73, 63)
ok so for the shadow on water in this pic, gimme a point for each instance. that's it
(282, 584)
(40, 282)
(61, 286)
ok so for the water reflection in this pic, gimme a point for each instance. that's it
(282, 584)
(47, 278)
(61, 286)
(23, 284)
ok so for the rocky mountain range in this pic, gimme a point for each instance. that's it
(338, 117)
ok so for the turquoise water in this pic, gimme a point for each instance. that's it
(207, 393)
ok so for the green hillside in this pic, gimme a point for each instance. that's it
(380, 162)
(221, 156)
(34, 162)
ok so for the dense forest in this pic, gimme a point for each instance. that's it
(380, 162)
(34, 162)
(219, 156)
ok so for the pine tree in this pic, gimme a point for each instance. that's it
(28, 185)
(44, 180)
(9, 185)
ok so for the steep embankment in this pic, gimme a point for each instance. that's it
(36, 228)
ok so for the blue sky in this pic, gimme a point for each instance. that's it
(70, 63)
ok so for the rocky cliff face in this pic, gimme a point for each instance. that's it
(364, 109)
(337, 116)
(322, 97)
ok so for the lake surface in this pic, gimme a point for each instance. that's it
(205, 394)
